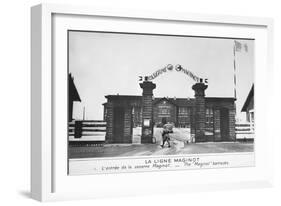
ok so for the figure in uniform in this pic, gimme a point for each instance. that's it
(167, 129)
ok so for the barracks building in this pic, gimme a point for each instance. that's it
(209, 118)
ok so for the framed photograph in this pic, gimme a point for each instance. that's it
(137, 102)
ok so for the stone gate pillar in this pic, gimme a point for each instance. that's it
(200, 111)
(147, 111)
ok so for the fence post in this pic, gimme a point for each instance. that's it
(78, 129)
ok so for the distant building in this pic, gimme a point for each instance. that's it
(248, 107)
(73, 96)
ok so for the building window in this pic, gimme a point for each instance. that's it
(252, 120)
(137, 116)
(184, 117)
(164, 111)
(183, 111)
(209, 121)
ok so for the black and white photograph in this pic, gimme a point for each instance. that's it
(146, 102)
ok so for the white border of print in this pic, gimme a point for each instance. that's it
(49, 181)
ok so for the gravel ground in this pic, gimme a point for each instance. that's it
(177, 147)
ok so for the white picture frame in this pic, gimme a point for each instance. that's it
(50, 182)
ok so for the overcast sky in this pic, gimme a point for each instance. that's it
(109, 63)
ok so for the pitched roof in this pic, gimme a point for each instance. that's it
(220, 99)
(72, 91)
(125, 97)
(158, 100)
(180, 102)
(248, 100)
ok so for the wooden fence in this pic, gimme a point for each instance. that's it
(86, 132)
(92, 132)
(244, 131)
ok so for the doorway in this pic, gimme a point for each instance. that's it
(224, 124)
(118, 124)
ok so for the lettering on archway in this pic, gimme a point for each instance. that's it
(170, 68)
(198, 128)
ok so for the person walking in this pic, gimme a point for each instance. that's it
(167, 129)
